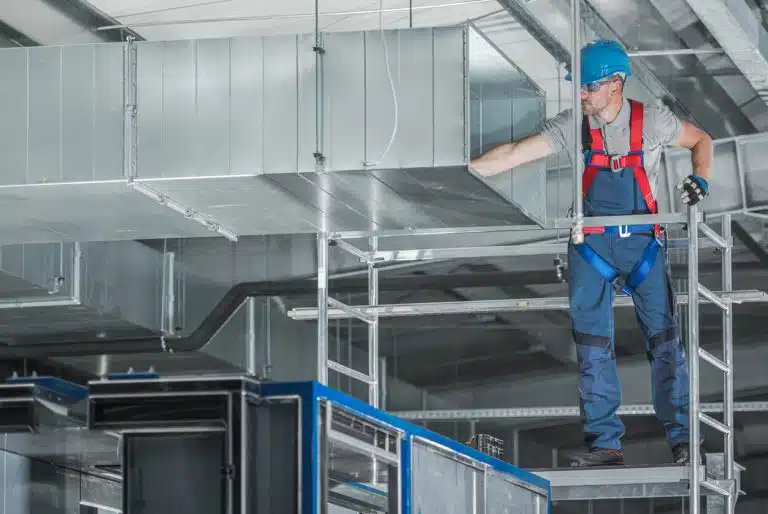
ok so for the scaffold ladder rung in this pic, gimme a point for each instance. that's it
(716, 487)
(719, 364)
(347, 371)
(709, 420)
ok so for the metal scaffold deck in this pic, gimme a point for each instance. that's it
(639, 482)
(721, 487)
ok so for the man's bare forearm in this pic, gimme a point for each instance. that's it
(701, 147)
(701, 157)
(511, 155)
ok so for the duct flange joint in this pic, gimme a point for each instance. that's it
(184, 210)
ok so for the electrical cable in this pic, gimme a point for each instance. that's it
(392, 86)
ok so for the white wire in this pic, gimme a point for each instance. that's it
(391, 84)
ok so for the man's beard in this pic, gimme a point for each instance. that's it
(590, 109)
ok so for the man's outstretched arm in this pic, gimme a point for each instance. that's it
(511, 155)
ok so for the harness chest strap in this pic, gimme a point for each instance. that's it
(598, 160)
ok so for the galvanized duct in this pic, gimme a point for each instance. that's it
(257, 135)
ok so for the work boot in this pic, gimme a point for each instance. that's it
(598, 457)
(681, 454)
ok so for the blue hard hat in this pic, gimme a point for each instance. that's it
(602, 59)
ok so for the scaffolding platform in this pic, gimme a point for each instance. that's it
(625, 482)
(693, 482)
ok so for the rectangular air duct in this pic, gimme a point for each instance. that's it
(261, 135)
(80, 291)
(739, 175)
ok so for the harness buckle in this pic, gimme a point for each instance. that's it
(624, 231)
(615, 162)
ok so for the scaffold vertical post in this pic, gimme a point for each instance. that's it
(727, 286)
(322, 308)
(693, 358)
(577, 232)
(373, 330)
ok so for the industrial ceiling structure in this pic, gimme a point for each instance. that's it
(180, 236)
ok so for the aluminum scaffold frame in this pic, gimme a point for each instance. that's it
(726, 486)
(699, 235)
(325, 302)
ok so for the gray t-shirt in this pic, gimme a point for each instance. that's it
(661, 127)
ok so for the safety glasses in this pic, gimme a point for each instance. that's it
(595, 86)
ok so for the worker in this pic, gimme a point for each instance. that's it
(622, 140)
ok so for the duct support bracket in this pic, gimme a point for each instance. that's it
(130, 97)
(168, 312)
(319, 51)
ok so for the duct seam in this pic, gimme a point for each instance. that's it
(188, 212)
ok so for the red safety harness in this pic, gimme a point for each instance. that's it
(597, 160)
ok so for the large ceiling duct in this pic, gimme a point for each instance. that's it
(261, 135)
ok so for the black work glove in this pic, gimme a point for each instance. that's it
(693, 189)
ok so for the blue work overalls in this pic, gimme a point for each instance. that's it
(614, 187)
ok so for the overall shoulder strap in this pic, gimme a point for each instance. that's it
(636, 115)
(591, 138)
(586, 135)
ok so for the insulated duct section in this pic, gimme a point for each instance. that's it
(259, 135)
(740, 34)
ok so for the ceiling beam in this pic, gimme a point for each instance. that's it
(88, 16)
(741, 36)
(10, 37)
(537, 30)
(58, 22)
